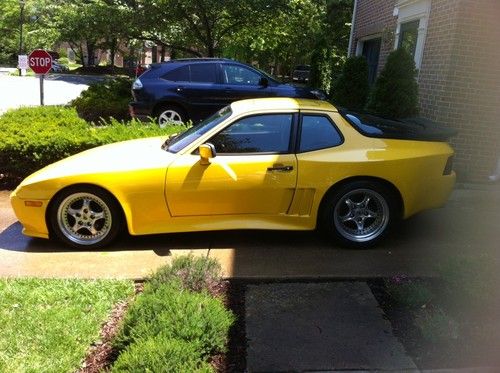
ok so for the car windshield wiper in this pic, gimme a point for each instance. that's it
(168, 141)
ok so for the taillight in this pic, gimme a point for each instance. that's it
(449, 166)
(137, 84)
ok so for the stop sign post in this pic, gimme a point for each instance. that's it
(40, 61)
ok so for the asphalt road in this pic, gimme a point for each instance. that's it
(59, 89)
(466, 226)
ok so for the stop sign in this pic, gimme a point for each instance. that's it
(40, 61)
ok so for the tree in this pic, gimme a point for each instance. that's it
(395, 93)
(351, 88)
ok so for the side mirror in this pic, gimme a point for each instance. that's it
(263, 82)
(206, 151)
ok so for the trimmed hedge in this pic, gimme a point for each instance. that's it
(175, 325)
(35, 137)
(351, 88)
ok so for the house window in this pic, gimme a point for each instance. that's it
(411, 31)
(371, 51)
(408, 36)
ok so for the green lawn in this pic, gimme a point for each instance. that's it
(48, 325)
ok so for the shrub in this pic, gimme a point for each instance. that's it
(171, 312)
(157, 354)
(351, 88)
(194, 273)
(35, 137)
(395, 93)
(104, 100)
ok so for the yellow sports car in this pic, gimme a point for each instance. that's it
(274, 163)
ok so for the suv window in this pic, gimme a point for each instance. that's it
(203, 73)
(255, 134)
(181, 74)
(239, 75)
(318, 132)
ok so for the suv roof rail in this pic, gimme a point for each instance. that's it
(198, 59)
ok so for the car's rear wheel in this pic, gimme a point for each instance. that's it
(85, 217)
(358, 214)
(170, 115)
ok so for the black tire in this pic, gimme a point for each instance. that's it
(85, 217)
(358, 214)
(170, 115)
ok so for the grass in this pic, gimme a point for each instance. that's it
(48, 325)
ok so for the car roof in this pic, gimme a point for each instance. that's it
(281, 103)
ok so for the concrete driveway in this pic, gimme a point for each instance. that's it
(467, 226)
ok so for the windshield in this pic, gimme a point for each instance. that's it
(175, 144)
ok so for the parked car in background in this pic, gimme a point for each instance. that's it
(301, 73)
(58, 68)
(192, 89)
(274, 163)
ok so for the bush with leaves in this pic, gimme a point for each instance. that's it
(104, 100)
(395, 93)
(35, 137)
(175, 322)
(351, 88)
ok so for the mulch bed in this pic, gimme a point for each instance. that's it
(464, 350)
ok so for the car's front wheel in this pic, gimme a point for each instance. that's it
(358, 214)
(85, 217)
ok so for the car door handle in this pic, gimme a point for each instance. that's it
(280, 168)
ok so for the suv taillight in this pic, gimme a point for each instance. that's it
(137, 84)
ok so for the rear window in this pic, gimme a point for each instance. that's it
(195, 73)
(181, 74)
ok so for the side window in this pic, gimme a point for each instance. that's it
(318, 132)
(239, 75)
(256, 134)
(181, 74)
(203, 73)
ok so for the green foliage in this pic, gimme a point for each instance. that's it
(157, 354)
(194, 273)
(169, 324)
(351, 88)
(395, 93)
(104, 100)
(174, 313)
(35, 137)
(48, 325)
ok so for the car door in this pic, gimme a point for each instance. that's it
(254, 171)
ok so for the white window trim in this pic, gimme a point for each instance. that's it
(413, 10)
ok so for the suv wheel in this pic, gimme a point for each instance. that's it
(170, 115)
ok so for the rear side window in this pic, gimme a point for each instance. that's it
(196, 73)
(181, 74)
(318, 132)
(203, 73)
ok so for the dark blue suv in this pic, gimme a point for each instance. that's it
(193, 89)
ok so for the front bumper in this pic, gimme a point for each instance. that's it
(140, 111)
(31, 217)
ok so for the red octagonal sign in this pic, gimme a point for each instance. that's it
(40, 61)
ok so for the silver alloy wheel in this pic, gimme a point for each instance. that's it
(169, 116)
(361, 215)
(84, 218)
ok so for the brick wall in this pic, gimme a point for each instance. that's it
(459, 81)
(375, 17)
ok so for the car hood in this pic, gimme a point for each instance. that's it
(303, 92)
(117, 157)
